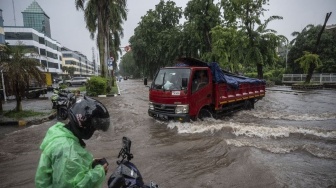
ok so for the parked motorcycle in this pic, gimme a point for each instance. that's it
(62, 100)
(127, 174)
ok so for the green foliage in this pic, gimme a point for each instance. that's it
(108, 89)
(63, 86)
(228, 48)
(307, 59)
(22, 114)
(69, 70)
(251, 74)
(82, 88)
(128, 66)
(20, 66)
(96, 86)
(203, 15)
(155, 42)
(104, 19)
(262, 42)
(306, 41)
(239, 43)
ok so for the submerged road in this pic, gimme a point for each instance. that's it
(288, 140)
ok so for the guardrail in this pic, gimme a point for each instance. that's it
(316, 78)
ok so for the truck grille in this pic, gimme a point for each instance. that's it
(163, 108)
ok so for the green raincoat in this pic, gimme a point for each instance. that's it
(65, 163)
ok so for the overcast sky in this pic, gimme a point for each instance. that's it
(68, 27)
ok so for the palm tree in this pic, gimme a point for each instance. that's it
(262, 44)
(19, 70)
(308, 60)
(104, 17)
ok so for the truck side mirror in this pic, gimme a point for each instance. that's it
(184, 82)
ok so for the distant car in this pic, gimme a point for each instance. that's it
(125, 77)
(77, 81)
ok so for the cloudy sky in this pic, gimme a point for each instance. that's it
(68, 27)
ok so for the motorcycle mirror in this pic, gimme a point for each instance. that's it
(127, 144)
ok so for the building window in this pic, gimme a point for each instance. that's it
(44, 63)
(67, 55)
(53, 65)
(69, 62)
(41, 40)
(42, 51)
(18, 36)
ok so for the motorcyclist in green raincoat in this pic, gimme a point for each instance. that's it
(64, 161)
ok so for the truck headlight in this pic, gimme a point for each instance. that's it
(182, 109)
(151, 106)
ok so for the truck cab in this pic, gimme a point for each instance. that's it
(177, 92)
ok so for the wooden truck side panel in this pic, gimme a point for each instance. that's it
(224, 94)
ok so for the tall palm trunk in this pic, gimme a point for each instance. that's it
(312, 66)
(101, 56)
(1, 109)
(18, 99)
(101, 45)
(260, 71)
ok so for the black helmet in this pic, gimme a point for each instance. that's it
(88, 115)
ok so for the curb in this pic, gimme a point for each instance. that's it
(111, 95)
(22, 123)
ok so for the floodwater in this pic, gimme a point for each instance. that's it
(288, 140)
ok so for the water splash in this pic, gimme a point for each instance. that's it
(290, 116)
(248, 129)
(283, 148)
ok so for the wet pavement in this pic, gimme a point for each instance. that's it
(288, 140)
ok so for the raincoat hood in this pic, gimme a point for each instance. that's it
(57, 131)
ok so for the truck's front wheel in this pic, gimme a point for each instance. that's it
(204, 113)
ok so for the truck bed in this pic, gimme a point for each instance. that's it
(224, 93)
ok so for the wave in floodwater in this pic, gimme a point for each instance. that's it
(317, 150)
(248, 129)
(319, 143)
(291, 116)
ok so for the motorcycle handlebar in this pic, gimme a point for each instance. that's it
(125, 151)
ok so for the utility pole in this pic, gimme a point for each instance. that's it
(14, 12)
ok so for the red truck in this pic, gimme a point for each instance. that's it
(195, 89)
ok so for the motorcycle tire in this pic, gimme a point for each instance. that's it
(62, 113)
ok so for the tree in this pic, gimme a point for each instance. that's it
(228, 47)
(71, 71)
(306, 41)
(128, 66)
(312, 65)
(203, 15)
(19, 69)
(307, 60)
(156, 40)
(104, 17)
(262, 42)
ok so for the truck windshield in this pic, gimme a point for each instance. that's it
(170, 79)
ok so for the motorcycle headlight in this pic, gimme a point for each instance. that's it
(151, 106)
(182, 109)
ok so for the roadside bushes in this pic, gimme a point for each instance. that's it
(96, 86)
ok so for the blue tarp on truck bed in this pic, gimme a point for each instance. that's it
(233, 80)
(219, 76)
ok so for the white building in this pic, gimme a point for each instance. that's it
(83, 66)
(48, 50)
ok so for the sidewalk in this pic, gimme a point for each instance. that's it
(42, 104)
